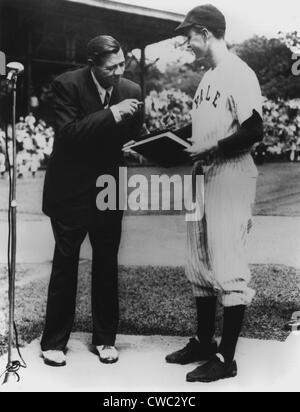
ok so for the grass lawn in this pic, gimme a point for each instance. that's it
(159, 301)
(278, 190)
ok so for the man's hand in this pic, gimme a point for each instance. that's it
(128, 107)
(200, 151)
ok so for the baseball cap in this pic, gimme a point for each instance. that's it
(207, 16)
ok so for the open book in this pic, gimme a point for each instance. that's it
(165, 148)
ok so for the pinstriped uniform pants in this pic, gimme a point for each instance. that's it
(216, 256)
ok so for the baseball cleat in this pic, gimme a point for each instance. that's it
(213, 371)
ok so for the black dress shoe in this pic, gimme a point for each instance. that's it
(194, 351)
(213, 371)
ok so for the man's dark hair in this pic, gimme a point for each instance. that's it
(100, 47)
(217, 33)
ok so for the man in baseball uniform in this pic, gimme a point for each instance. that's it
(227, 121)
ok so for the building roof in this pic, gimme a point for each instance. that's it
(132, 9)
(57, 25)
(144, 25)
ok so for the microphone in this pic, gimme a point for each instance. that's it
(15, 69)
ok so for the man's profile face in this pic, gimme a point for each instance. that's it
(111, 70)
(197, 43)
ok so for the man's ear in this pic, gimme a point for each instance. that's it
(91, 62)
(206, 34)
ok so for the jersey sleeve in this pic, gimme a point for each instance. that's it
(246, 94)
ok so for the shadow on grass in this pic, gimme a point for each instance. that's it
(158, 301)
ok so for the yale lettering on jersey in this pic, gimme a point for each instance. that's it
(209, 97)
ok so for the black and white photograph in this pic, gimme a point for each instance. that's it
(149, 198)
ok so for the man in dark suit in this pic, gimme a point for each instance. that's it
(96, 113)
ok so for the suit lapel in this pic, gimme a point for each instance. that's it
(115, 97)
(92, 97)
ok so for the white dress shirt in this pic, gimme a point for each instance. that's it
(102, 93)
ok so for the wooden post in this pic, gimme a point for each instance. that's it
(143, 69)
(28, 67)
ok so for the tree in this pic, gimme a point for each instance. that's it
(271, 59)
(153, 76)
(182, 77)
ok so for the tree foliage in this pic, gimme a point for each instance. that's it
(271, 59)
(183, 77)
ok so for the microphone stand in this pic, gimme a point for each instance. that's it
(11, 366)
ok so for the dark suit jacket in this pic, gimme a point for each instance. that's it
(88, 143)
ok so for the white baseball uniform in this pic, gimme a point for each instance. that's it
(216, 260)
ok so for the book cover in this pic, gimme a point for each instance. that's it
(165, 148)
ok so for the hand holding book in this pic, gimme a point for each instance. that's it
(202, 152)
(165, 148)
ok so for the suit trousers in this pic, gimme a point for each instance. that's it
(104, 233)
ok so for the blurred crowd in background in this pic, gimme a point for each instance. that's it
(163, 110)
(34, 146)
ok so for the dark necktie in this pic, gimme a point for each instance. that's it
(106, 100)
